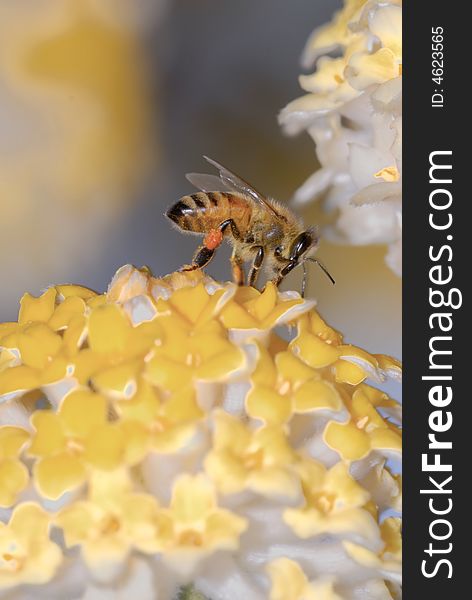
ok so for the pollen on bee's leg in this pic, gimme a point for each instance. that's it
(213, 239)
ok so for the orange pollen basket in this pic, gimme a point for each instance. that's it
(213, 239)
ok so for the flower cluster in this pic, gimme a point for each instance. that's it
(353, 113)
(162, 438)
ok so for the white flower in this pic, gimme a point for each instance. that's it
(353, 113)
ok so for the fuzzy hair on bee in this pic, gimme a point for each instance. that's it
(260, 230)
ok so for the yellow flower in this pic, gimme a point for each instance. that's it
(389, 557)
(187, 354)
(194, 526)
(116, 349)
(257, 311)
(363, 63)
(289, 582)
(194, 346)
(47, 336)
(366, 431)
(337, 32)
(320, 346)
(13, 473)
(111, 521)
(259, 460)
(286, 385)
(385, 488)
(79, 437)
(169, 423)
(333, 503)
(26, 553)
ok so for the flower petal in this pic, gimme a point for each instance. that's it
(82, 412)
(108, 329)
(55, 475)
(315, 395)
(37, 309)
(14, 478)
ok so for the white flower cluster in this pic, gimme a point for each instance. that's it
(353, 112)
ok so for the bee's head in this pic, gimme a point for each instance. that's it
(300, 251)
(303, 245)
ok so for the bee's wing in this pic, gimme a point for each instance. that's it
(236, 183)
(207, 183)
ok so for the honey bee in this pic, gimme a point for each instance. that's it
(260, 229)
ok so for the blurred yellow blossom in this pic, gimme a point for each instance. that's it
(111, 521)
(184, 427)
(289, 582)
(26, 553)
(194, 526)
(333, 503)
(14, 475)
(389, 557)
(168, 423)
(76, 134)
(259, 460)
(77, 437)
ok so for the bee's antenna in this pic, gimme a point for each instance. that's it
(322, 267)
(304, 280)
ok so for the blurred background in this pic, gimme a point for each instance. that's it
(106, 104)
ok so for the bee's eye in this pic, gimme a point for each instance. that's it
(301, 244)
(278, 251)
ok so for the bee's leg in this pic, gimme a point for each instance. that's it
(234, 228)
(237, 268)
(256, 265)
(205, 253)
(211, 243)
(201, 258)
(283, 272)
(236, 260)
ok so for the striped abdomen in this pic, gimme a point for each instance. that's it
(204, 211)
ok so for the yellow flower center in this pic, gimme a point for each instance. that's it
(254, 460)
(361, 423)
(11, 563)
(190, 537)
(388, 174)
(323, 501)
(110, 525)
(192, 360)
(75, 447)
(284, 387)
(365, 424)
(159, 425)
